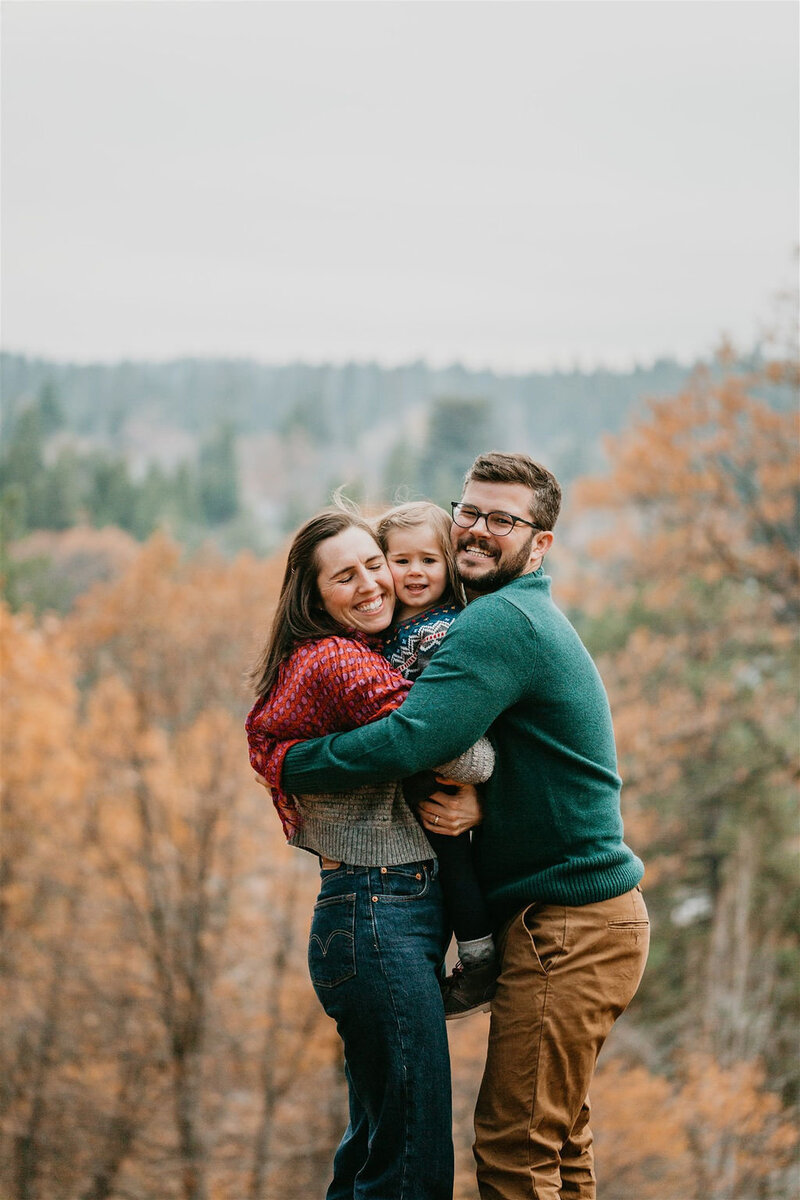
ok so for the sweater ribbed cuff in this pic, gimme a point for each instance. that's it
(473, 766)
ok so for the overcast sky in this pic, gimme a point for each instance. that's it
(515, 185)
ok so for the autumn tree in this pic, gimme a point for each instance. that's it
(161, 1035)
(692, 594)
(707, 1132)
(174, 786)
(41, 785)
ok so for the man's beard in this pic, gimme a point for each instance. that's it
(504, 571)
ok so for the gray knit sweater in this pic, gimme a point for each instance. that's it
(372, 825)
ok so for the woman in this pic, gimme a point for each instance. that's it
(378, 931)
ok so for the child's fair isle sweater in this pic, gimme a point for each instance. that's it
(410, 644)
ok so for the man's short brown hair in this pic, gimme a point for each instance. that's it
(496, 467)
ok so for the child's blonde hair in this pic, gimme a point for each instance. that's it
(424, 512)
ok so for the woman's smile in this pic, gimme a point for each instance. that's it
(371, 606)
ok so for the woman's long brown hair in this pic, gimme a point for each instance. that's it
(300, 614)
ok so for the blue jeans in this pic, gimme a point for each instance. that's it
(378, 937)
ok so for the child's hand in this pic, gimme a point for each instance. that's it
(451, 814)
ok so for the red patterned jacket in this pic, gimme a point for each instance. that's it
(329, 685)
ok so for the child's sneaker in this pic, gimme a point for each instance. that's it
(469, 989)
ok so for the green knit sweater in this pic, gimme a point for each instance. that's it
(513, 665)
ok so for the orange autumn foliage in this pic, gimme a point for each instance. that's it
(700, 548)
(706, 1133)
(162, 1037)
(693, 590)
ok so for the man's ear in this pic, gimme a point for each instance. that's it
(542, 543)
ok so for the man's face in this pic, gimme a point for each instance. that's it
(486, 562)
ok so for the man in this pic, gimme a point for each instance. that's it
(561, 883)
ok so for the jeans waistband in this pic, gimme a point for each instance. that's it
(430, 865)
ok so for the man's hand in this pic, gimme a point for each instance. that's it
(451, 814)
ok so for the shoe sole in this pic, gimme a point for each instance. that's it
(485, 1007)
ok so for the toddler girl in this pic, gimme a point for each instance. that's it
(415, 538)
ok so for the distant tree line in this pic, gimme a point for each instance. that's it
(327, 401)
(266, 446)
(42, 490)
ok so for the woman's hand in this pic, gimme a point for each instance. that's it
(451, 814)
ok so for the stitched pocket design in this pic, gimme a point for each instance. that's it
(331, 944)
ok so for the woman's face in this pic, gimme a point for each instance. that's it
(354, 581)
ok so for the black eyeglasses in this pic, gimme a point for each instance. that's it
(498, 523)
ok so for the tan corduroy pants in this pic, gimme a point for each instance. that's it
(567, 973)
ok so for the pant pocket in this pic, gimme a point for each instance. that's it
(631, 912)
(331, 944)
(546, 927)
(405, 882)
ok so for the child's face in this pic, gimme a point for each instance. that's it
(418, 567)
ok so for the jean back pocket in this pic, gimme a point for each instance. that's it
(331, 944)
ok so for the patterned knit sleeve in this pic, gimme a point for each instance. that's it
(266, 748)
(360, 686)
(328, 686)
(266, 754)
